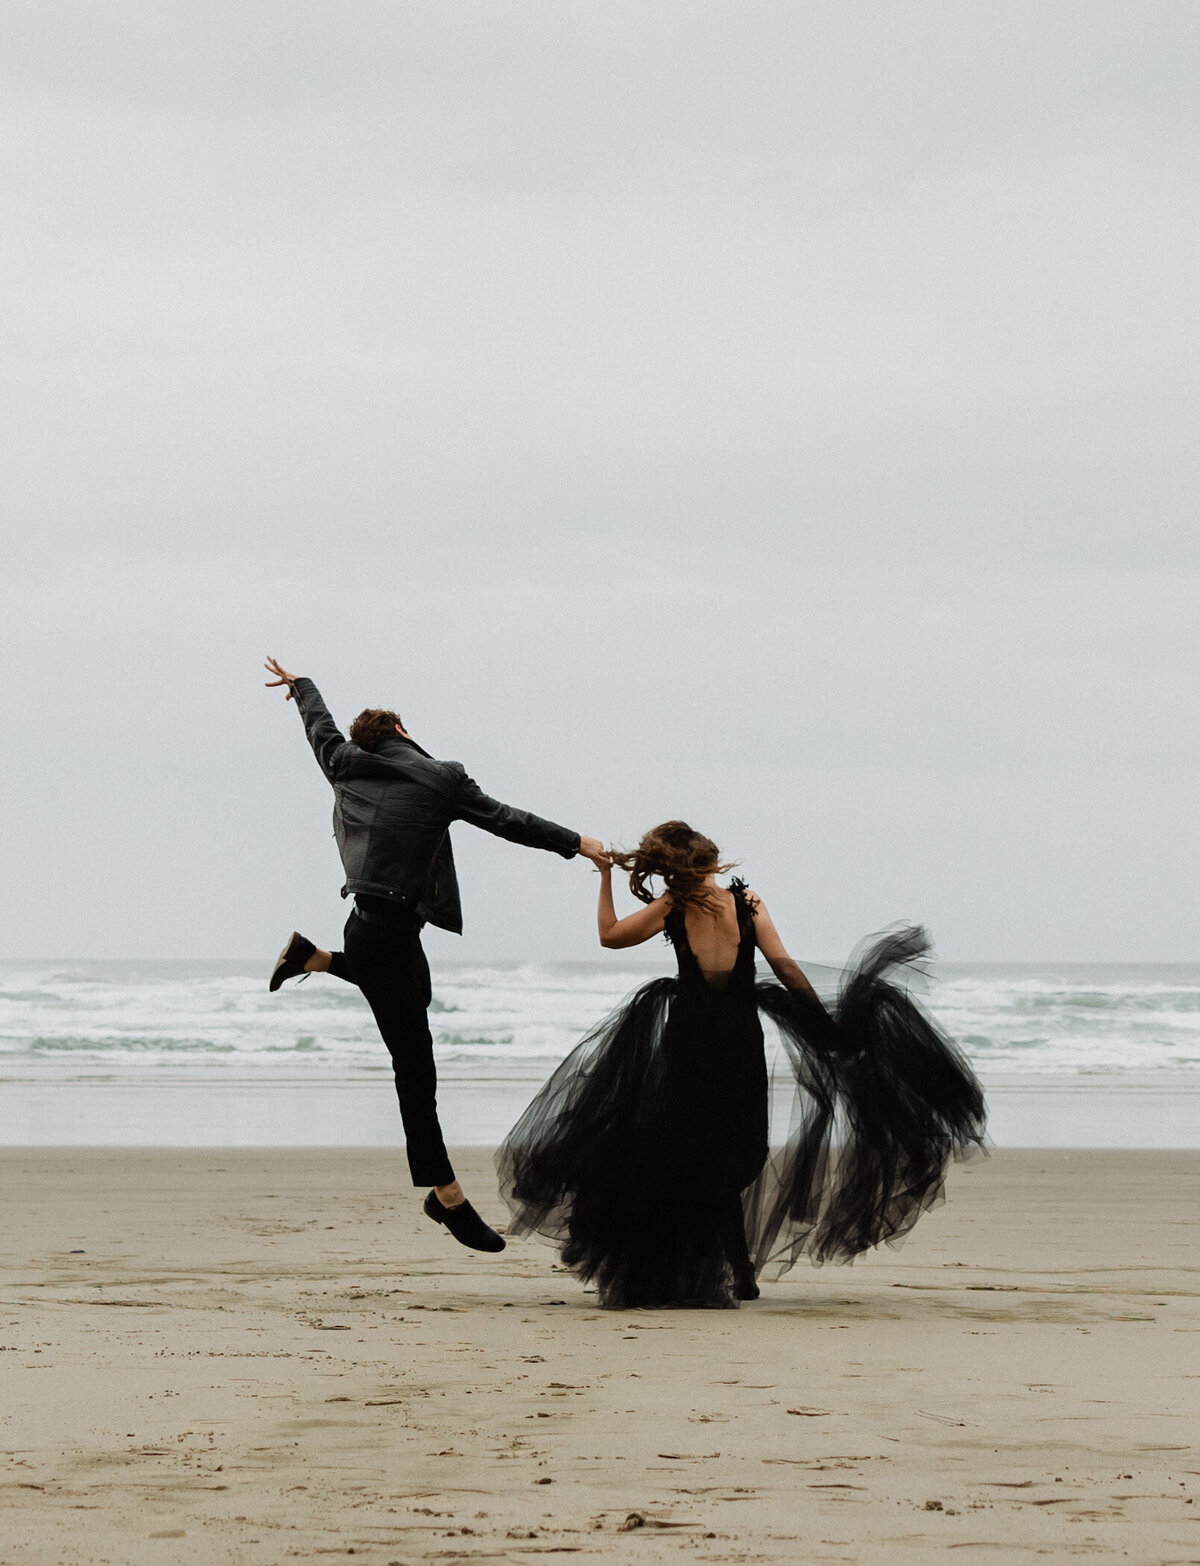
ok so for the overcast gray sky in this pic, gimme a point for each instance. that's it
(782, 415)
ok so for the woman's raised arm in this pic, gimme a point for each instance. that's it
(636, 927)
(787, 970)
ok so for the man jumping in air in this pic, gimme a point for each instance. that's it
(393, 806)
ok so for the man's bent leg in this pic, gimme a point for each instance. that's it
(389, 967)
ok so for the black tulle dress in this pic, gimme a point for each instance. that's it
(648, 1154)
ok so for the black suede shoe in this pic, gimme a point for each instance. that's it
(291, 960)
(464, 1223)
(746, 1288)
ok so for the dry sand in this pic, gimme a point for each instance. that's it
(272, 1356)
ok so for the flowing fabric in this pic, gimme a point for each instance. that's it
(647, 1156)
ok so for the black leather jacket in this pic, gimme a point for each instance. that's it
(392, 812)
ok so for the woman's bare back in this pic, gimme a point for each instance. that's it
(714, 937)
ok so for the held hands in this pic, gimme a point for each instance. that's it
(592, 848)
(273, 666)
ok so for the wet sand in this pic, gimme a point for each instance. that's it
(268, 1356)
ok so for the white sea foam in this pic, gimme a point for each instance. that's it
(216, 1022)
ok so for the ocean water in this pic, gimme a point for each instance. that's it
(129, 1051)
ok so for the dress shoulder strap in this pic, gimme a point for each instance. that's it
(745, 903)
(742, 894)
(674, 926)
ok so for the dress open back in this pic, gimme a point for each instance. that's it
(647, 1156)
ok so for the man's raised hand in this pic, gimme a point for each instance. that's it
(273, 666)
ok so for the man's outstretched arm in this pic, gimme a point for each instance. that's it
(326, 739)
(522, 826)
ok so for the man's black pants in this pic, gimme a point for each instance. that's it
(388, 964)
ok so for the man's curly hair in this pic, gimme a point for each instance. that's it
(373, 726)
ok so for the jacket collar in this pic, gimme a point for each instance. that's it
(398, 746)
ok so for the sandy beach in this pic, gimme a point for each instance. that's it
(269, 1356)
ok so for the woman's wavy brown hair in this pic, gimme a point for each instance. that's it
(681, 858)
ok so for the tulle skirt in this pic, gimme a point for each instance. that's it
(671, 1170)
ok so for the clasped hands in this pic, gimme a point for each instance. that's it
(592, 848)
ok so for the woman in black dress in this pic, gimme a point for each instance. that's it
(647, 1156)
